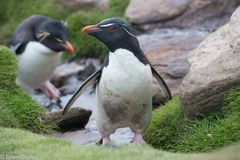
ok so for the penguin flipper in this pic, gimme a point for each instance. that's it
(14, 48)
(91, 80)
(163, 86)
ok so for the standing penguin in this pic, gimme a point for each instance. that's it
(38, 42)
(124, 82)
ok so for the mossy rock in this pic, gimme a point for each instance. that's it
(17, 109)
(170, 130)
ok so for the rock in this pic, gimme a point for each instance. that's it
(207, 14)
(167, 49)
(214, 70)
(177, 68)
(88, 71)
(63, 72)
(85, 4)
(70, 85)
(102, 5)
(75, 74)
(80, 137)
(142, 11)
(75, 118)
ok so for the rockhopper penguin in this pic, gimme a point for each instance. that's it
(38, 42)
(124, 82)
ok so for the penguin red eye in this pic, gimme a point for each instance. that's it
(112, 29)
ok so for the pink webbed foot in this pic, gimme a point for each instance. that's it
(106, 140)
(50, 90)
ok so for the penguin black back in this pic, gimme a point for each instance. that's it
(25, 33)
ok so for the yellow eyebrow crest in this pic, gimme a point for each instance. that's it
(42, 35)
(107, 25)
(59, 40)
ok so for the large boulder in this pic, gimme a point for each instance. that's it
(215, 70)
(142, 11)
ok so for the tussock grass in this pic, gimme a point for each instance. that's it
(170, 130)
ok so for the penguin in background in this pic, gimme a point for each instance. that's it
(124, 82)
(38, 43)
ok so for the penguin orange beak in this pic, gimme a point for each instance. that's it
(68, 46)
(90, 29)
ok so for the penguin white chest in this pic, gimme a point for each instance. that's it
(36, 64)
(124, 92)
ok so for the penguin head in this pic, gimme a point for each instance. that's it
(114, 32)
(54, 35)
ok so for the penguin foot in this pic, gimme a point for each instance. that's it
(138, 139)
(50, 90)
(106, 140)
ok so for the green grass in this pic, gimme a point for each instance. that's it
(170, 130)
(17, 109)
(18, 142)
